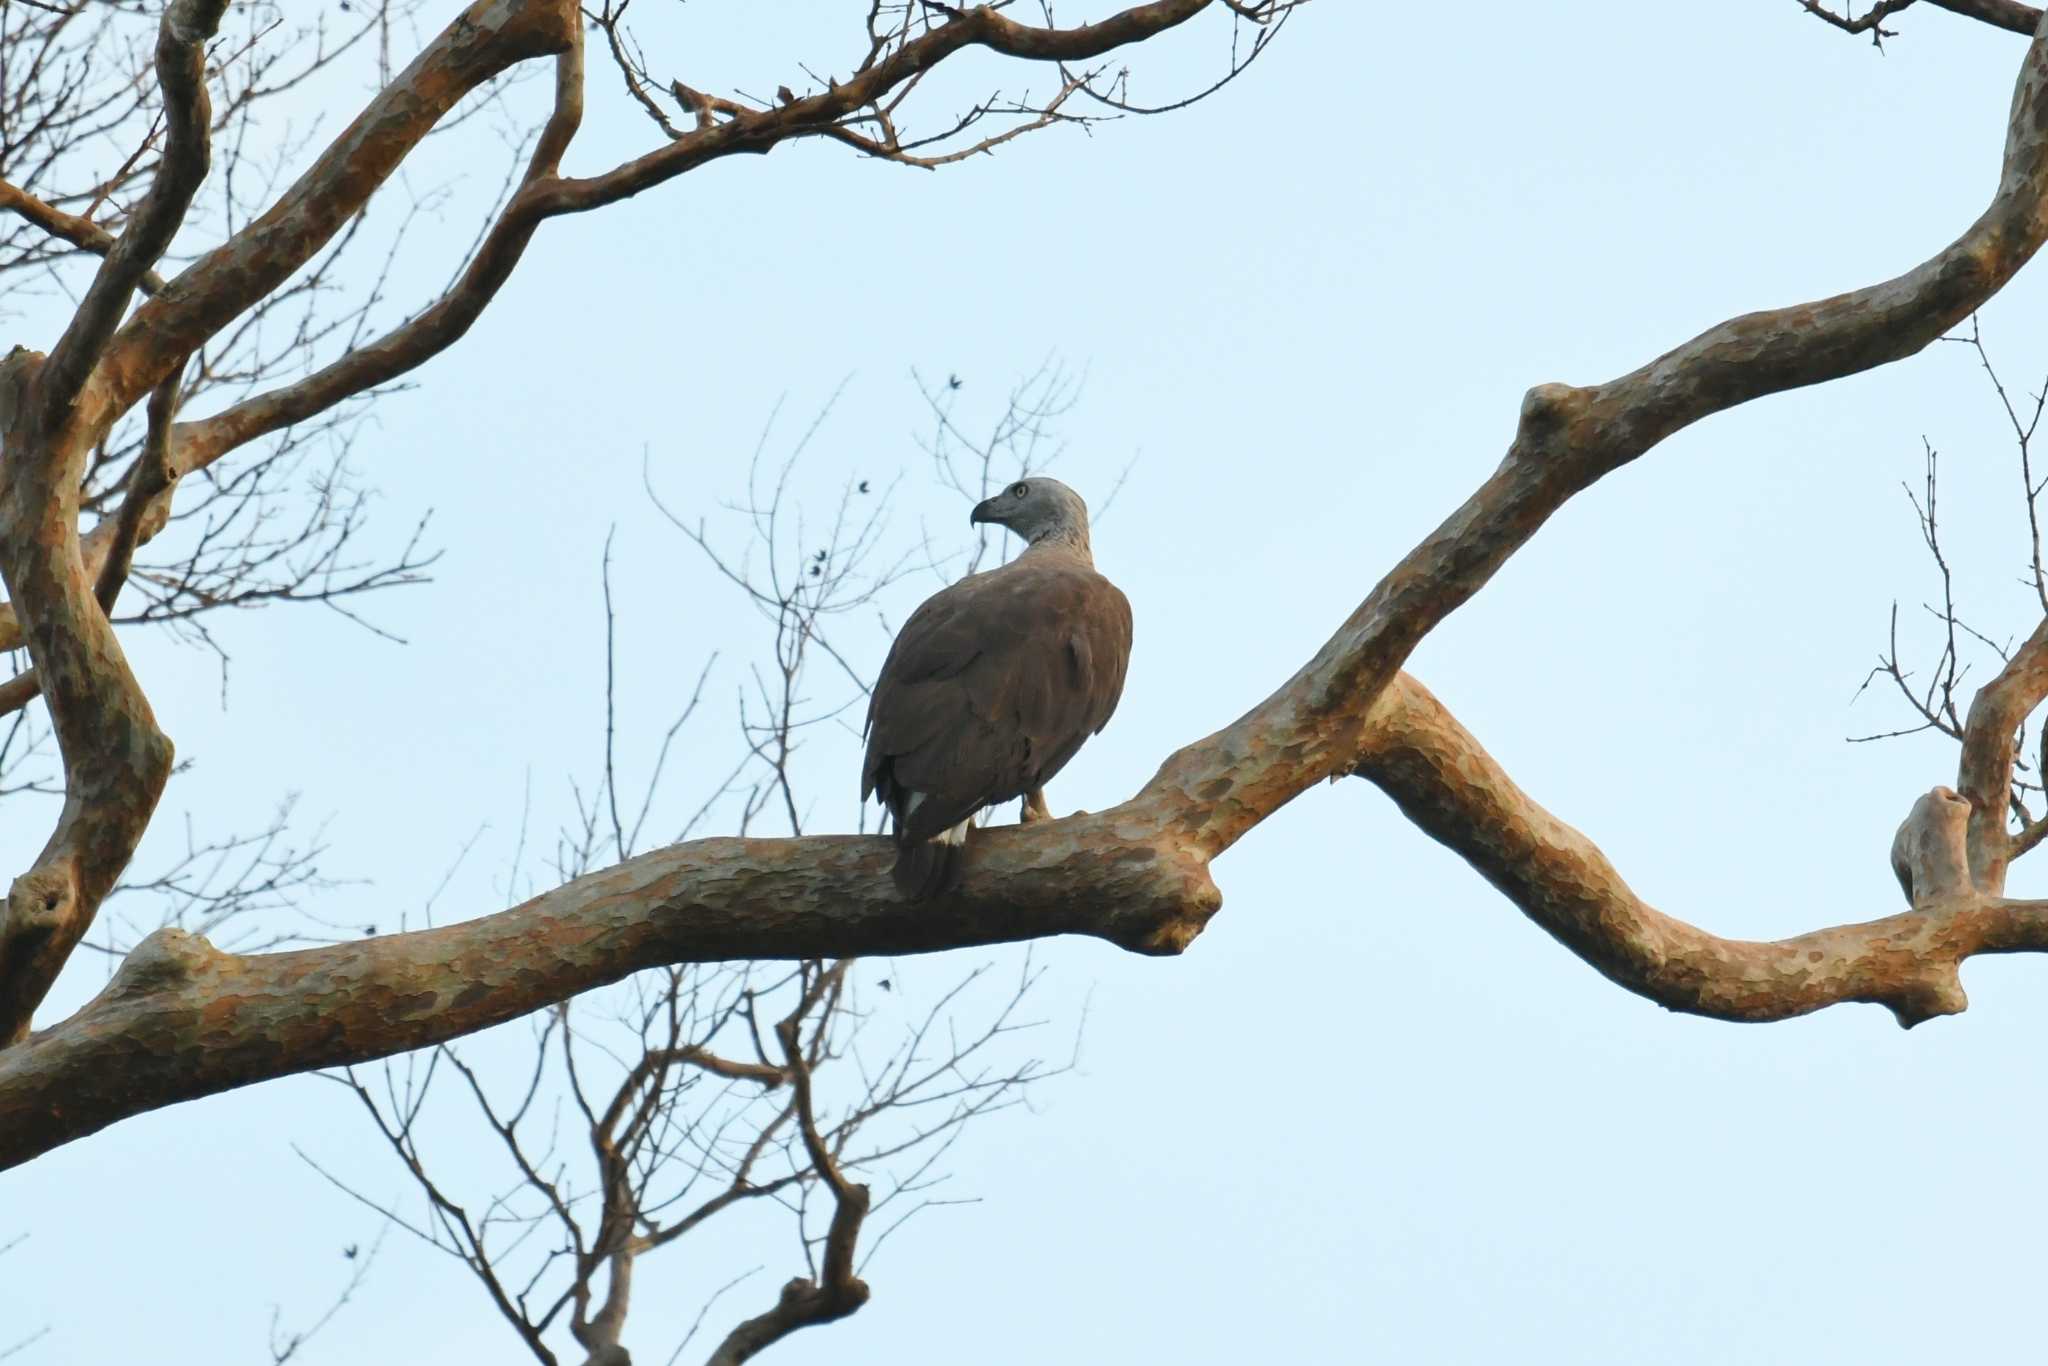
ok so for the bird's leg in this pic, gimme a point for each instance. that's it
(1035, 808)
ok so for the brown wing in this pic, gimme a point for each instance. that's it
(991, 687)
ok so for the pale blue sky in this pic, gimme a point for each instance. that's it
(1372, 1114)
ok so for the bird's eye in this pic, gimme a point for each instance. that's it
(1019, 490)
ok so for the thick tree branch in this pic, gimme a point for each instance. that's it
(2005, 14)
(188, 116)
(94, 548)
(211, 1020)
(485, 40)
(1136, 875)
(1570, 437)
(115, 759)
(1990, 746)
(427, 334)
(544, 194)
(1448, 785)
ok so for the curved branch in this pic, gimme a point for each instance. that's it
(182, 1020)
(94, 549)
(817, 115)
(188, 115)
(1446, 783)
(1990, 745)
(488, 38)
(837, 1291)
(423, 336)
(115, 759)
(1567, 439)
(543, 194)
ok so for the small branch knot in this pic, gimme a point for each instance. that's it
(1547, 407)
(1940, 993)
(168, 958)
(39, 902)
(1166, 905)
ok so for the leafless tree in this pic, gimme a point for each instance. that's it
(110, 119)
(638, 1116)
(1137, 875)
(1936, 695)
(80, 145)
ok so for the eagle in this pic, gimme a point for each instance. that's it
(993, 684)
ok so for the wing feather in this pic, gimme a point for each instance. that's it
(992, 686)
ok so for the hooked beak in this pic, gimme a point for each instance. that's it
(984, 511)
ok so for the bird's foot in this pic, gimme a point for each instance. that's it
(1035, 808)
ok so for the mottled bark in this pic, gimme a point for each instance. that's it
(1990, 744)
(182, 1019)
(1449, 786)
(2005, 14)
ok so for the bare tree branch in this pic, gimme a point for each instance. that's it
(1137, 875)
(2005, 14)
(837, 1291)
(181, 70)
(80, 232)
(115, 759)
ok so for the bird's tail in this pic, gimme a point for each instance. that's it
(931, 868)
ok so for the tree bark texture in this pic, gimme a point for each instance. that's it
(182, 1019)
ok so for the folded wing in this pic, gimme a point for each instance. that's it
(991, 687)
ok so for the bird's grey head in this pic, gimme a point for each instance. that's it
(1039, 510)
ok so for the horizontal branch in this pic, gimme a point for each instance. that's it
(82, 233)
(2005, 14)
(182, 1019)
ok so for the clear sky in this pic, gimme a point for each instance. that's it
(1372, 1114)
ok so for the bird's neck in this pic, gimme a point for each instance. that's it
(1065, 539)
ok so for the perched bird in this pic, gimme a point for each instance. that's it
(993, 684)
